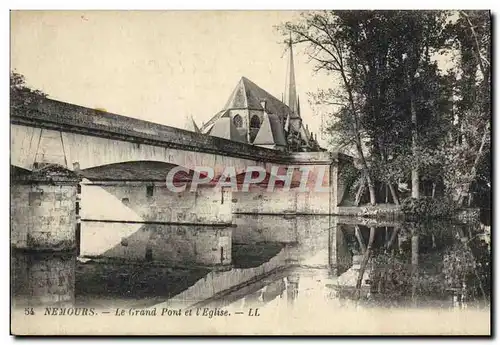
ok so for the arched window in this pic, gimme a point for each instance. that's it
(238, 121)
(255, 122)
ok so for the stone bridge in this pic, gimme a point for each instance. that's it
(122, 163)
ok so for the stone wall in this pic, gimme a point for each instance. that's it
(153, 202)
(320, 195)
(279, 202)
(43, 216)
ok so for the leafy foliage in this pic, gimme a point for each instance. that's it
(21, 94)
(384, 69)
(428, 208)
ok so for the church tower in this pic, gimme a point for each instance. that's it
(295, 121)
(254, 116)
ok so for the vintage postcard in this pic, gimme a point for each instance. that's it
(250, 172)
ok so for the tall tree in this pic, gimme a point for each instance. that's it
(381, 59)
(468, 145)
(327, 46)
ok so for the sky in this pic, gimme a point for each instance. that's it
(159, 66)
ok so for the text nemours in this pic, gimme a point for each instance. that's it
(204, 312)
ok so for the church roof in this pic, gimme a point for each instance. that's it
(224, 128)
(270, 132)
(248, 95)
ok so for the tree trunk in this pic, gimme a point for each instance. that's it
(366, 172)
(469, 202)
(474, 166)
(415, 186)
(371, 189)
(359, 193)
(357, 137)
(394, 195)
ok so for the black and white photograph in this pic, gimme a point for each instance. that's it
(285, 172)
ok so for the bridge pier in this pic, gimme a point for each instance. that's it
(144, 221)
(43, 209)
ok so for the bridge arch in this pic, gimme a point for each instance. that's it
(133, 171)
(81, 151)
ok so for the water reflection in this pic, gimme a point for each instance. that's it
(40, 279)
(284, 261)
(434, 264)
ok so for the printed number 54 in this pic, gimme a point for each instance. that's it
(29, 311)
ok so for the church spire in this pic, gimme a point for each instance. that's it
(290, 88)
(191, 125)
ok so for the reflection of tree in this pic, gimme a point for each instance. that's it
(391, 275)
(394, 234)
(273, 290)
(353, 282)
(417, 262)
(440, 259)
(359, 237)
(366, 257)
(414, 264)
(464, 274)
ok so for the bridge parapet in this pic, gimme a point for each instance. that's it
(61, 116)
(66, 117)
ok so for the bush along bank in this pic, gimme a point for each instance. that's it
(429, 208)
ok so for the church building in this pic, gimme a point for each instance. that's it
(254, 116)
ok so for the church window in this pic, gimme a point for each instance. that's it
(238, 121)
(255, 122)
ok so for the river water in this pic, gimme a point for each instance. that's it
(282, 262)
